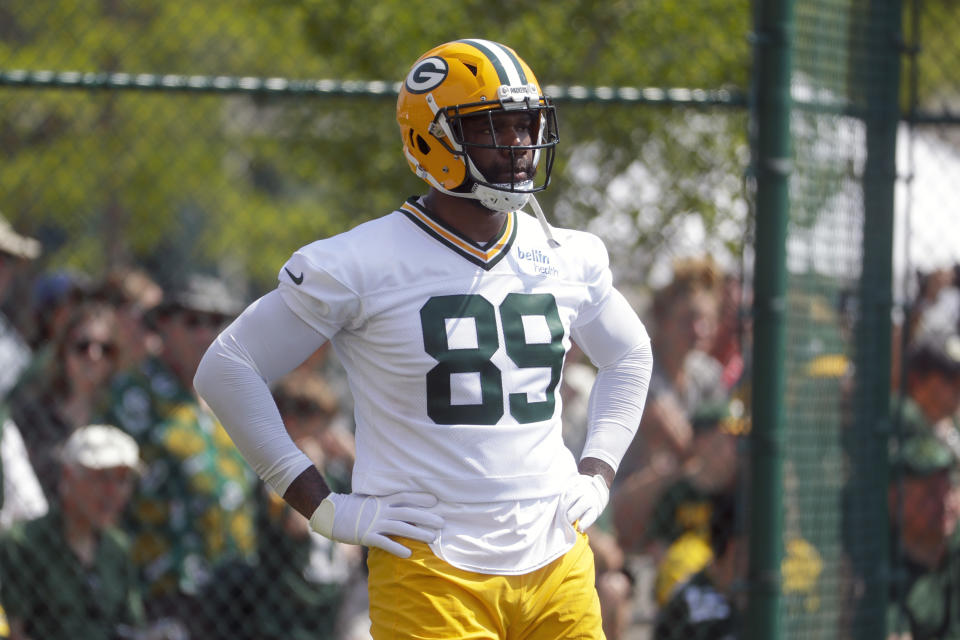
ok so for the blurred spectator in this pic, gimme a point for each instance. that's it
(615, 583)
(135, 296)
(733, 326)
(926, 562)
(706, 606)
(311, 412)
(193, 507)
(678, 537)
(15, 250)
(133, 293)
(300, 581)
(325, 362)
(932, 388)
(54, 296)
(936, 308)
(184, 323)
(68, 574)
(685, 376)
(69, 391)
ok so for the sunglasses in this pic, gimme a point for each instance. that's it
(95, 349)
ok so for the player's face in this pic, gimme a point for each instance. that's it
(504, 129)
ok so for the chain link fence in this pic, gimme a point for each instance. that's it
(925, 325)
(169, 156)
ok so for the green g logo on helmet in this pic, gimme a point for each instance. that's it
(426, 75)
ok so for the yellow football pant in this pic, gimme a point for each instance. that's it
(423, 597)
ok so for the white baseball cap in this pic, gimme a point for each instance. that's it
(101, 446)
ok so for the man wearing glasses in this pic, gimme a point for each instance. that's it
(193, 506)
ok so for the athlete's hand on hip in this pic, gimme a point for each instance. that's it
(584, 500)
(369, 520)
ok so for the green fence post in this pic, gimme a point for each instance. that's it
(773, 161)
(877, 85)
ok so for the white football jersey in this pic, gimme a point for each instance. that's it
(453, 352)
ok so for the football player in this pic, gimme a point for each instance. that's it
(452, 316)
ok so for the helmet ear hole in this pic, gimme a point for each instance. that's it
(421, 144)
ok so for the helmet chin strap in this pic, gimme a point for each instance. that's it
(547, 231)
(503, 198)
(505, 201)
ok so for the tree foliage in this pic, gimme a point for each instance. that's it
(178, 180)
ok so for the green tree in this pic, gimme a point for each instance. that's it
(235, 182)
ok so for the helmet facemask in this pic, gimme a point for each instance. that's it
(498, 195)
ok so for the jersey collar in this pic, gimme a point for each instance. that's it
(484, 256)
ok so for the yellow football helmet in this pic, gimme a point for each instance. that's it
(466, 78)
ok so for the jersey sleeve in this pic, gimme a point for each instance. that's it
(314, 283)
(596, 275)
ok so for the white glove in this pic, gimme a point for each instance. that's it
(368, 520)
(584, 500)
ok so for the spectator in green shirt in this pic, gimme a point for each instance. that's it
(679, 529)
(706, 606)
(300, 586)
(193, 508)
(926, 549)
(68, 574)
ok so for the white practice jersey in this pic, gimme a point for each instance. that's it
(454, 355)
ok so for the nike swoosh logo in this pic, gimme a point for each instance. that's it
(296, 279)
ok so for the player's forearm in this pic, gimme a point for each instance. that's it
(597, 467)
(242, 402)
(265, 342)
(618, 344)
(307, 491)
(616, 406)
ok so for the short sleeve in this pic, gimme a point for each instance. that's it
(316, 294)
(596, 275)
